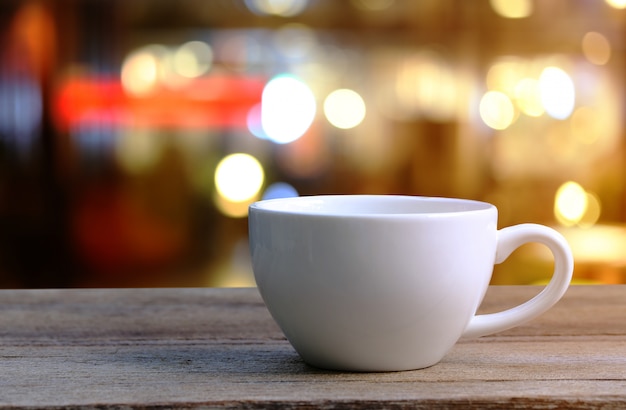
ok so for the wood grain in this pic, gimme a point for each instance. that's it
(219, 348)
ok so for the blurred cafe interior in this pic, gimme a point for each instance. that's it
(134, 134)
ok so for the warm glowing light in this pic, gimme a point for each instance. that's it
(232, 209)
(557, 92)
(140, 71)
(344, 108)
(496, 110)
(528, 97)
(283, 8)
(617, 4)
(575, 206)
(279, 190)
(596, 48)
(604, 244)
(570, 203)
(505, 74)
(193, 59)
(513, 9)
(287, 109)
(239, 177)
(592, 213)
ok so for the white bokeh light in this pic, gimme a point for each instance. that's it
(288, 108)
(558, 95)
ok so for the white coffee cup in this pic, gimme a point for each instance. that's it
(387, 283)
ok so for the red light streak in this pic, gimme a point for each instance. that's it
(210, 102)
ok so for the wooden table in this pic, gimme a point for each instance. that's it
(219, 348)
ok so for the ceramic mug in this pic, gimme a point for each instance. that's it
(388, 283)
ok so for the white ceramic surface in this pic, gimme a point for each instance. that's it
(387, 283)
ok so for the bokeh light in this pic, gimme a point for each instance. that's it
(344, 108)
(282, 8)
(593, 211)
(528, 97)
(288, 108)
(359, 96)
(193, 59)
(279, 190)
(239, 177)
(617, 4)
(496, 110)
(513, 9)
(570, 203)
(140, 70)
(231, 209)
(557, 93)
(596, 48)
(253, 122)
(505, 74)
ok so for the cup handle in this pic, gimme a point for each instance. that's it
(509, 239)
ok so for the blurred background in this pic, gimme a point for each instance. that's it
(134, 134)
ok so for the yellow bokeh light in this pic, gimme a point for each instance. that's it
(570, 203)
(239, 177)
(558, 94)
(504, 75)
(233, 209)
(496, 110)
(528, 97)
(287, 109)
(344, 108)
(512, 9)
(592, 213)
(596, 48)
(617, 4)
(140, 71)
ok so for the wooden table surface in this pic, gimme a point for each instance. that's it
(219, 348)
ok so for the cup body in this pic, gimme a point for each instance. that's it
(372, 283)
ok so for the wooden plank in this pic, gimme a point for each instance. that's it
(219, 348)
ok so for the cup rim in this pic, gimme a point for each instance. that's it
(311, 205)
